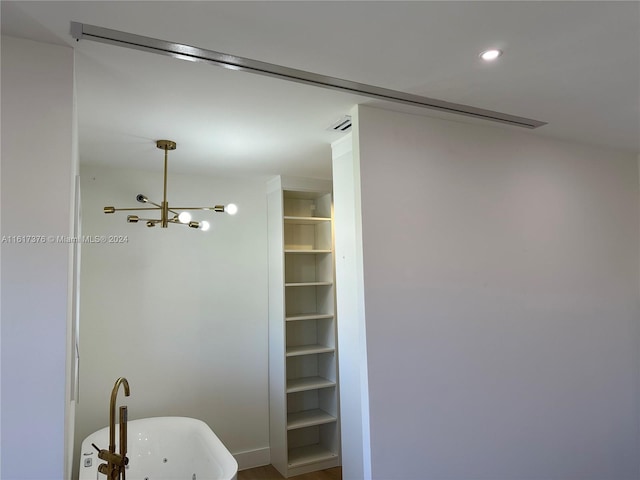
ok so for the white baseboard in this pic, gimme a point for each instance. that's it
(253, 458)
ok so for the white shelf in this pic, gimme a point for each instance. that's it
(308, 383)
(296, 250)
(309, 284)
(308, 350)
(309, 454)
(308, 316)
(304, 430)
(308, 418)
(305, 220)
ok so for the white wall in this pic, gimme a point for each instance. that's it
(181, 313)
(501, 295)
(354, 388)
(38, 167)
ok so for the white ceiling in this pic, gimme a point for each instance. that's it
(575, 65)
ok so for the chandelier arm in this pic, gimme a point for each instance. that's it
(178, 222)
(164, 208)
(194, 208)
(215, 208)
(135, 209)
(169, 209)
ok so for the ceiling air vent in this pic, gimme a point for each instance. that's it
(342, 125)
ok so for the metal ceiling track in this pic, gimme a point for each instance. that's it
(186, 52)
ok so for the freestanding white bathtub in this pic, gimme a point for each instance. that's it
(164, 448)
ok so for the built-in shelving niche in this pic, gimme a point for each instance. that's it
(311, 445)
(312, 429)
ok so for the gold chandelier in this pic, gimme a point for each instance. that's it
(170, 214)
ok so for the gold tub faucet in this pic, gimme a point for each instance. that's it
(114, 469)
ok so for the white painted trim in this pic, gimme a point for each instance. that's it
(274, 184)
(253, 458)
(350, 305)
(342, 146)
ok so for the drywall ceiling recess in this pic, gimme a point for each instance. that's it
(186, 52)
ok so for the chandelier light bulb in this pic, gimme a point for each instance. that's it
(231, 209)
(184, 217)
(204, 226)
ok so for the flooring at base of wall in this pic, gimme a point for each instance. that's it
(268, 472)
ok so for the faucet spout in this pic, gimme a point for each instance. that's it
(112, 410)
(114, 469)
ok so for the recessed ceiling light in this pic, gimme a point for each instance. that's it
(490, 55)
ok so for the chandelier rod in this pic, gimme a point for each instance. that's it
(165, 204)
(166, 145)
